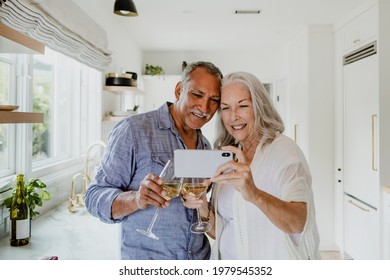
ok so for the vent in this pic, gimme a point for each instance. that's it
(365, 51)
(247, 12)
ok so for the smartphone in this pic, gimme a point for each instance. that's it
(199, 163)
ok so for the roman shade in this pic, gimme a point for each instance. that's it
(61, 25)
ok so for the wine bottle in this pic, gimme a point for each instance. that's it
(19, 215)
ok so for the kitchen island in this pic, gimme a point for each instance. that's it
(77, 236)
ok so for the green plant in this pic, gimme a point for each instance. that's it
(35, 191)
(153, 70)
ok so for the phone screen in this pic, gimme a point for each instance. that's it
(199, 163)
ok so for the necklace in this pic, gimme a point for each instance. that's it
(249, 150)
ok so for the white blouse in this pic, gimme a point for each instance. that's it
(280, 169)
(225, 209)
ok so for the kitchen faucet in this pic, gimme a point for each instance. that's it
(78, 200)
(86, 157)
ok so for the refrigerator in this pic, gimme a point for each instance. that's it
(361, 154)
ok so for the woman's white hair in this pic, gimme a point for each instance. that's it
(267, 120)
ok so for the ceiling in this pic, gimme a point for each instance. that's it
(210, 25)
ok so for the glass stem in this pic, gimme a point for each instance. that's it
(199, 219)
(153, 220)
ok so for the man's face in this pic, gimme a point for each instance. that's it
(199, 99)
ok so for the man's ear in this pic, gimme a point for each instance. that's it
(178, 90)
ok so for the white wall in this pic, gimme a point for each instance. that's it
(263, 65)
(321, 124)
(126, 55)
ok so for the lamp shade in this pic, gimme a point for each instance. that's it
(125, 8)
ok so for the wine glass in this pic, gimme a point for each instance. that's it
(196, 187)
(171, 185)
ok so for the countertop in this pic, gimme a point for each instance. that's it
(77, 236)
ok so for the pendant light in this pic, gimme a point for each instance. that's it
(125, 8)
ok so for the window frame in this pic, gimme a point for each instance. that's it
(11, 134)
(21, 159)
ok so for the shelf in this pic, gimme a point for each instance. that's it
(21, 117)
(161, 77)
(120, 89)
(12, 41)
(109, 118)
(154, 77)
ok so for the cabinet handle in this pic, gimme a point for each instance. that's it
(358, 206)
(295, 132)
(373, 143)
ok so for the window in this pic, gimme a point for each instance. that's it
(53, 77)
(69, 95)
(6, 131)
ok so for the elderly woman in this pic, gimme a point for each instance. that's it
(264, 209)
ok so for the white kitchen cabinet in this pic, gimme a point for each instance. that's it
(339, 148)
(362, 229)
(159, 89)
(361, 130)
(363, 137)
(360, 30)
(386, 223)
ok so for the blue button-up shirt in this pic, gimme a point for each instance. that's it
(139, 145)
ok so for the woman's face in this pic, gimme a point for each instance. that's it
(237, 112)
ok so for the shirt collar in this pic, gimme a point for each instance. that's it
(165, 121)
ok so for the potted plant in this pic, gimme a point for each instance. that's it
(153, 70)
(35, 191)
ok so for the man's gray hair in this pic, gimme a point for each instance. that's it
(210, 68)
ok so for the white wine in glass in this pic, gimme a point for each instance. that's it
(172, 189)
(172, 186)
(196, 187)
